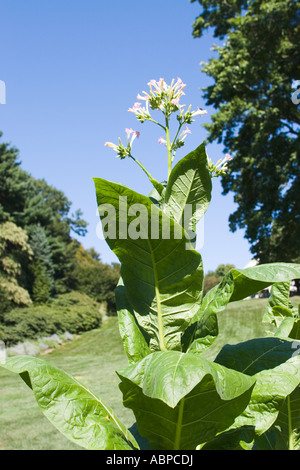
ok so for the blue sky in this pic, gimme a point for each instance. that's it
(73, 68)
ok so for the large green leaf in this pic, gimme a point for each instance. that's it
(189, 185)
(287, 425)
(75, 411)
(134, 341)
(279, 306)
(181, 400)
(163, 275)
(275, 365)
(238, 284)
(201, 335)
(255, 355)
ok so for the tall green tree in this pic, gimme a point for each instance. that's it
(30, 203)
(13, 247)
(41, 266)
(96, 279)
(254, 74)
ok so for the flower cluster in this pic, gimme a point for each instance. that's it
(166, 98)
(219, 168)
(178, 142)
(122, 151)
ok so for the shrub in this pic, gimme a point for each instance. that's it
(74, 312)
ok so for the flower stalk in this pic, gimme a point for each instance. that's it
(166, 99)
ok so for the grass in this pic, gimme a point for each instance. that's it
(93, 359)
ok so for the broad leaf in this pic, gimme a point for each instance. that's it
(181, 400)
(255, 355)
(163, 276)
(201, 335)
(272, 388)
(275, 365)
(238, 284)
(287, 425)
(75, 411)
(189, 186)
(235, 439)
(279, 306)
(134, 340)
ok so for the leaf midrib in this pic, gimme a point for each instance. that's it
(161, 336)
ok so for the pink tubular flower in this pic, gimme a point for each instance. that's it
(180, 83)
(135, 134)
(228, 157)
(184, 133)
(187, 130)
(111, 145)
(136, 107)
(141, 97)
(199, 112)
(161, 140)
(175, 101)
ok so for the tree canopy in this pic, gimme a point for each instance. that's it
(39, 258)
(254, 74)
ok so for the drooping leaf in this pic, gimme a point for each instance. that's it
(285, 328)
(235, 439)
(189, 186)
(287, 425)
(75, 411)
(272, 388)
(238, 284)
(181, 400)
(275, 365)
(134, 340)
(279, 305)
(255, 355)
(200, 335)
(162, 275)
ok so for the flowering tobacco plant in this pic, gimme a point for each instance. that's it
(247, 397)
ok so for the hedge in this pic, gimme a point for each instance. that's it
(74, 312)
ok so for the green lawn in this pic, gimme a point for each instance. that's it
(93, 359)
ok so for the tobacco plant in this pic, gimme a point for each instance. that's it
(248, 397)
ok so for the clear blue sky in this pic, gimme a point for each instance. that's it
(72, 69)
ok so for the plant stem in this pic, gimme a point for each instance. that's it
(158, 123)
(179, 425)
(168, 147)
(291, 445)
(141, 166)
(161, 337)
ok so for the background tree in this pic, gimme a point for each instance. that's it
(13, 245)
(96, 279)
(41, 267)
(254, 77)
(212, 278)
(30, 202)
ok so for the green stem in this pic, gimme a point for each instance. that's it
(179, 425)
(158, 123)
(142, 167)
(161, 336)
(291, 445)
(178, 130)
(168, 147)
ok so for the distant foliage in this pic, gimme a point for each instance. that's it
(73, 312)
(97, 279)
(44, 212)
(253, 79)
(212, 278)
(13, 247)
(41, 262)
